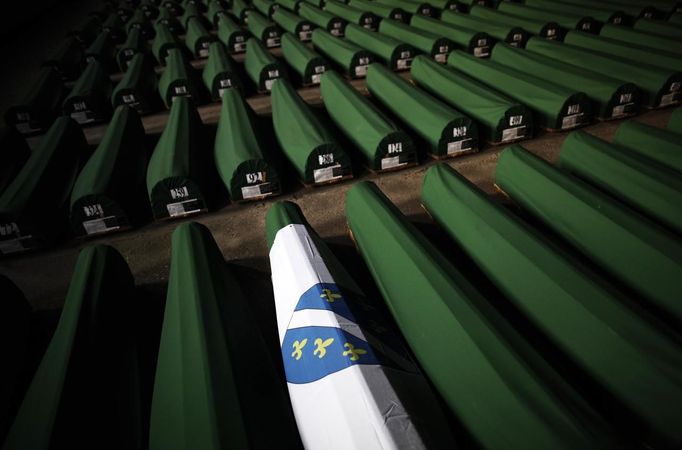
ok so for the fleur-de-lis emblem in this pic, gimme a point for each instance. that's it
(353, 352)
(321, 346)
(298, 347)
(329, 295)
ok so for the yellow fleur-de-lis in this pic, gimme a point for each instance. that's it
(329, 295)
(321, 346)
(298, 346)
(353, 352)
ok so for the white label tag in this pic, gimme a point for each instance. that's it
(509, 134)
(441, 57)
(203, 53)
(272, 42)
(620, 110)
(305, 35)
(254, 191)
(481, 52)
(360, 71)
(336, 31)
(178, 209)
(11, 246)
(25, 128)
(239, 46)
(391, 162)
(82, 117)
(571, 121)
(268, 84)
(325, 174)
(315, 78)
(668, 99)
(459, 146)
(404, 63)
(182, 90)
(101, 225)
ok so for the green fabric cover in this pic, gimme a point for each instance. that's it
(305, 62)
(138, 87)
(632, 12)
(87, 386)
(599, 12)
(134, 44)
(312, 149)
(476, 42)
(352, 14)
(301, 28)
(150, 9)
(291, 5)
(445, 130)
(675, 122)
(238, 152)
(352, 59)
(88, 100)
(503, 393)
(315, 3)
(102, 49)
(216, 11)
(610, 97)
(220, 72)
(554, 107)
(566, 21)
(638, 53)
(198, 38)
(380, 10)
(645, 39)
(659, 27)
(112, 181)
(178, 168)
(266, 7)
(660, 145)
(264, 29)
(580, 318)
(140, 21)
(164, 41)
(542, 28)
(15, 324)
(500, 118)
(382, 144)
(177, 79)
(216, 382)
(392, 52)
(232, 35)
(323, 19)
(14, 152)
(192, 10)
(167, 18)
(514, 36)
(261, 66)
(241, 10)
(66, 59)
(40, 103)
(114, 26)
(628, 176)
(656, 83)
(422, 40)
(410, 6)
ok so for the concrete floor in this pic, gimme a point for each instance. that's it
(239, 229)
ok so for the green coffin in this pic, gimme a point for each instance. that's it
(34, 207)
(14, 152)
(177, 79)
(500, 118)
(640, 54)
(642, 38)
(315, 3)
(636, 251)
(87, 385)
(220, 72)
(675, 122)
(580, 319)
(216, 382)
(140, 21)
(291, 5)
(500, 389)
(599, 12)
(241, 10)
(66, 59)
(194, 10)
(350, 58)
(167, 18)
(659, 86)
(327, 21)
(238, 152)
(138, 87)
(446, 131)
(613, 6)
(111, 184)
(261, 66)
(392, 52)
(266, 7)
(310, 147)
(134, 44)
(40, 104)
(232, 35)
(114, 26)
(514, 36)
(164, 41)
(380, 10)
(611, 98)
(382, 144)
(216, 11)
(475, 42)
(178, 169)
(566, 21)
(102, 50)
(543, 28)
(198, 38)
(422, 40)
(301, 28)
(632, 178)
(352, 14)
(659, 27)
(554, 107)
(88, 101)
(663, 146)
(264, 29)
(412, 7)
(306, 63)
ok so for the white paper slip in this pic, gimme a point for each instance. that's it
(103, 225)
(327, 173)
(459, 146)
(183, 208)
